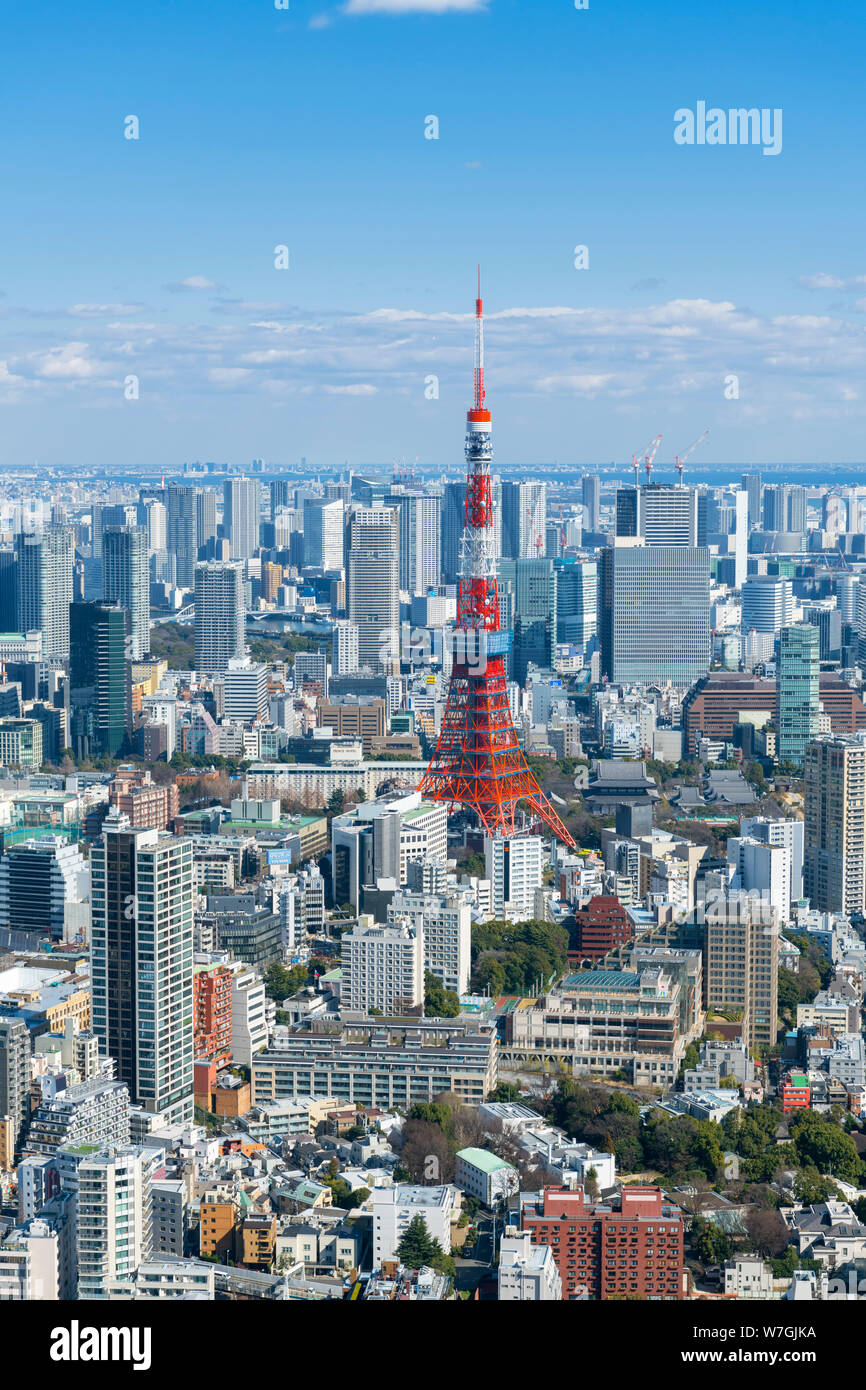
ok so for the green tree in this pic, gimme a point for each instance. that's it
(439, 1002)
(417, 1247)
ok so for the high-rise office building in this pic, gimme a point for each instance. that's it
(662, 513)
(797, 688)
(205, 516)
(576, 602)
(654, 613)
(99, 679)
(45, 586)
(785, 508)
(534, 587)
(420, 541)
(834, 794)
(220, 613)
(14, 1082)
(373, 587)
(245, 690)
(751, 482)
(241, 516)
(141, 963)
(126, 582)
(768, 604)
(524, 512)
(324, 524)
(181, 517)
(591, 497)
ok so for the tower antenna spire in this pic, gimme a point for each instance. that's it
(479, 348)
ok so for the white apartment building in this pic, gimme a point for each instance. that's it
(249, 1017)
(395, 1207)
(514, 865)
(383, 968)
(763, 870)
(788, 834)
(344, 653)
(114, 1219)
(446, 923)
(527, 1272)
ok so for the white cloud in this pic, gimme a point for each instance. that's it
(192, 282)
(98, 311)
(822, 281)
(361, 389)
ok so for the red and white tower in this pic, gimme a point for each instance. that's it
(478, 764)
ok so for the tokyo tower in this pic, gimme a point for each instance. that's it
(478, 764)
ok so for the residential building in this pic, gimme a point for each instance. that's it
(220, 611)
(633, 1245)
(14, 1083)
(514, 866)
(141, 955)
(380, 1063)
(482, 1175)
(383, 969)
(126, 582)
(394, 1208)
(114, 1219)
(834, 868)
(241, 505)
(99, 679)
(528, 1272)
(741, 964)
(444, 923)
(45, 586)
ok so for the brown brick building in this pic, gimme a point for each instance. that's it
(601, 926)
(353, 716)
(632, 1246)
(718, 701)
(148, 806)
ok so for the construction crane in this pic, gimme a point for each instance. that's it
(650, 458)
(681, 458)
(636, 458)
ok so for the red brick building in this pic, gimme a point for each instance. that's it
(632, 1246)
(600, 926)
(714, 705)
(212, 1014)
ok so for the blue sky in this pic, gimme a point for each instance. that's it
(262, 127)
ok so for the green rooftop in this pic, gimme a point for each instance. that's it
(480, 1158)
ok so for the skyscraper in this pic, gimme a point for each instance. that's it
(576, 602)
(141, 963)
(591, 497)
(99, 679)
(126, 582)
(534, 583)
(662, 513)
(373, 588)
(420, 541)
(324, 523)
(45, 586)
(205, 516)
(834, 794)
(797, 687)
(768, 604)
(524, 511)
(180, 509)
(241, 516)
(752, 484)
(654, 613)
(220, 613)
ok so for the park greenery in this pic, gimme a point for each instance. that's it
(517, 957)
